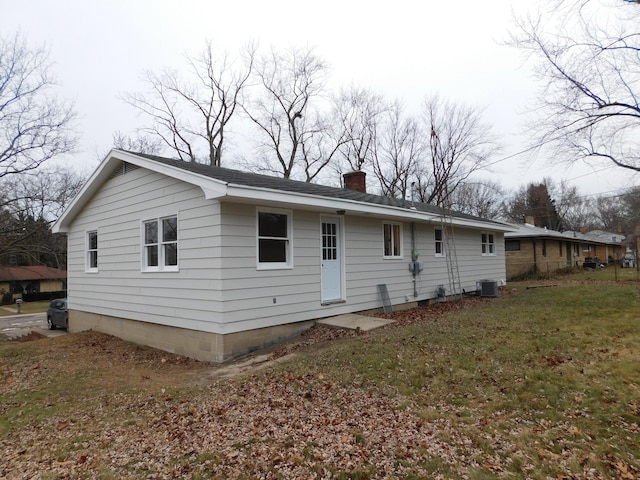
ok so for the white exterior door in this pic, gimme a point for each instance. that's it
(331, 258)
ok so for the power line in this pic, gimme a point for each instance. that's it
(515, 154)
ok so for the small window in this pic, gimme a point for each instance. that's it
(92, 252)
(274, 239)
(586, 247)
(512, 245)
(488, 244)
(392, 240)
(439, 242)
(160, 244)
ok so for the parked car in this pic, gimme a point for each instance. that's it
(57, 315)
(593, 262)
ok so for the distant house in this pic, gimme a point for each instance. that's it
(211, 263)
(608, 247)
(533, 249)
(24, 280)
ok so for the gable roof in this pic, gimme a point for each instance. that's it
(38, 272)
(527, 230)
(223, 183)
(597, 236)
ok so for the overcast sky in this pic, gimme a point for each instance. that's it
(403, 49)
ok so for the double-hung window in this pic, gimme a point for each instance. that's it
(392, 240)
(160, 244)
(274, 239)
(488, 244)
(91, 264)
(439, 242)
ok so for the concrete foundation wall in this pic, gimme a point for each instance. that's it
(207, 347)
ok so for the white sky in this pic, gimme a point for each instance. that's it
(403, 49)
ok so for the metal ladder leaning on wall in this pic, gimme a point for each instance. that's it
(443, 200)
(453, 272)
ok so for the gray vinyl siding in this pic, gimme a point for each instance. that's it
(218, 287)
(249, 293)
(189, 298)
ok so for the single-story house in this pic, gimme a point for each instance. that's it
(210, 262)
(608, 247)
(23, 280)
(533, 249)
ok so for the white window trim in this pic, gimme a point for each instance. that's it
(275, 265)
(143, 251)
(87, 263)
(442, 243)
(401, 254)
(488, 253)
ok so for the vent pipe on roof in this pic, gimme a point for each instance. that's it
(355, 181)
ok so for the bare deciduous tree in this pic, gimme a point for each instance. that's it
(587, 56)
(397, 151)
(282, 108)
(137, 143)
(188, 114)
(459, 143)
(319, 146)
(357, 113)
(33, 200)
(575, 210)
(34, 125)
(480, 198)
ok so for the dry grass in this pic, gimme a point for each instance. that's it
(541, 383)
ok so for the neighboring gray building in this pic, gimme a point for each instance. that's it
(211, 263)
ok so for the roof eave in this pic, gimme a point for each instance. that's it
(217, 189)
(211, 187)
(244, 192)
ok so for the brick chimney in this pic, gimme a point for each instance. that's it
(583, 229)
(355, 181)
(529, 220)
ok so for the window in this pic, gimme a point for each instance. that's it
(160, 244)
(92, 252)
(329, 241)
(438, 242)
(586, 247)
(274, 239)
(512, 245)
(488, 244)
(392, 240)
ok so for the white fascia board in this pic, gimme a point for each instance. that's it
(243, 192)
(218, 189)
(211, 187)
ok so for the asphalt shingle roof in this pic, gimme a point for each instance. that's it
(250, 179)
(38, 272)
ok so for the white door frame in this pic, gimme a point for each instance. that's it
(329, 291)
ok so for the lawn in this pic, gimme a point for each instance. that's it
(27, 307)
(540, 383)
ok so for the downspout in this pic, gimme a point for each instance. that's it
(414, 252)
(535, 257)
(414, 259)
